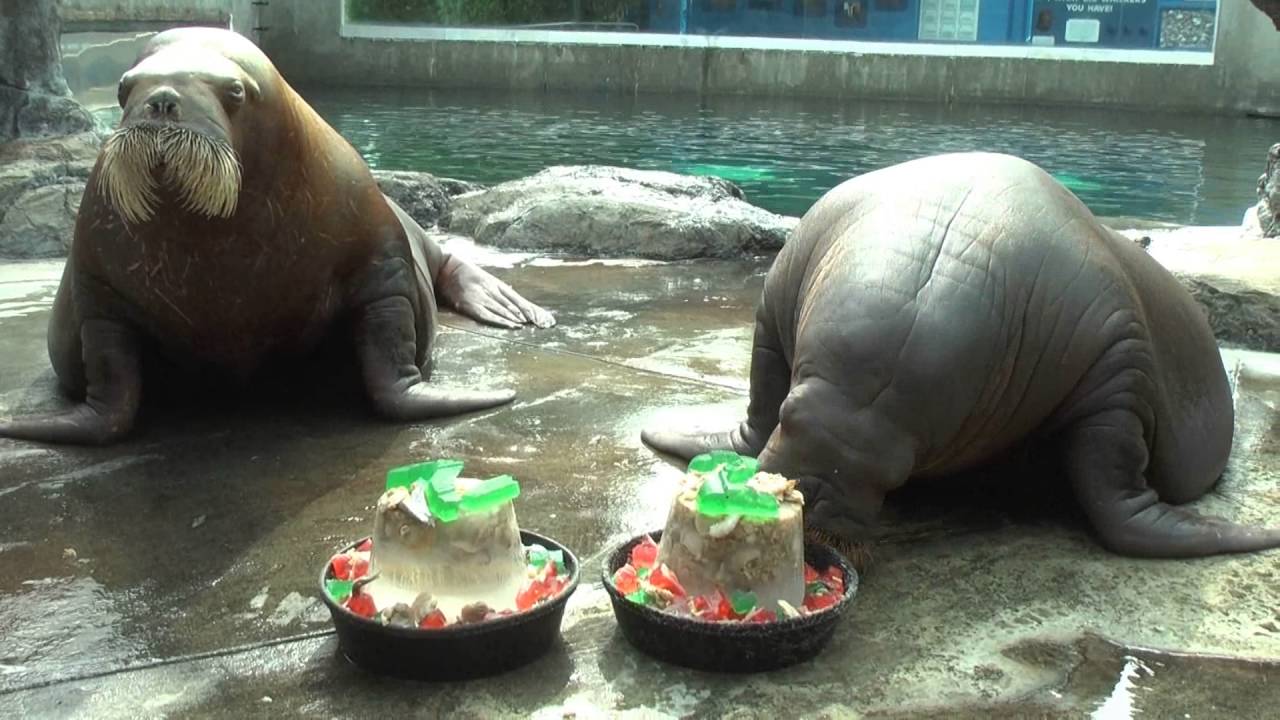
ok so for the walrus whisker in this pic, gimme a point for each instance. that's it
(125, 180)
(204, 171)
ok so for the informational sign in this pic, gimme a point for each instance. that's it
(949, 20)
(1104, 23)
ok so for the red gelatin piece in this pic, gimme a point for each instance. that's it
(435, 619)
(809, 574)
(365, 545)
(814, 603)
(762, 616)
(626, 580)
(362, 605)
(644, 553)
(701, 605)
(663, 578)
(834, 579)
(723, 608)
(341, 566)
(359, 567)
(528, 595)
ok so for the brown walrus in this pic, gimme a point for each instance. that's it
(937, 316)
(227, 225)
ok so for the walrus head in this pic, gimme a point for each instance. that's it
(177, 138)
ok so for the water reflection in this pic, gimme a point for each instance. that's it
(785, 153)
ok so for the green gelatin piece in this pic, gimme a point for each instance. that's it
(339, 590)
(557, 556)
(490, 494)
(712, 497)
(817, 587)
(643, 573)
(442, 499)
(742, 470)
(640, 597)
(537, 555)
(408, 474)
(707, 462)
(752, 504)
(742, 602)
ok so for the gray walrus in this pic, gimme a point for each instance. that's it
(227, 226)
(925, 318)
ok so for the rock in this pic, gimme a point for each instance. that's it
(41, 223)
(1231, 275)
(34, 99)
(41, 184)
(48, 115)
(603, 211)
(1260, 220)
(420, 194)
(424, 196)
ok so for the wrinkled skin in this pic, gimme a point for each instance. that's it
(313, 247)
(929, 317)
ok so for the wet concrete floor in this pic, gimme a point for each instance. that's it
(173, 575)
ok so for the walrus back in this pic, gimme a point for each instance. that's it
(945, 283)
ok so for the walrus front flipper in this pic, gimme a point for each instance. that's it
(112, 396)
(1106, 457)
(387, 347)
(484, 298)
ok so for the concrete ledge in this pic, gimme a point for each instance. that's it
(316, 46)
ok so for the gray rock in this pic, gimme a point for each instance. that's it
(34, 99)
(1261, 219)
(600, 211)
(420, 194)
(424, 196)
(41, 223)
(48, 115)
(1241, 316)
(41, 183)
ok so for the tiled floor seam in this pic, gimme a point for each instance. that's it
(177, 660)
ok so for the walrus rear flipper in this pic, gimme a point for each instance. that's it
(687, 445)
(770, 383)
(387, 347)
(1106, 456)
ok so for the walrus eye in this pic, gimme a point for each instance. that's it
(235, 92)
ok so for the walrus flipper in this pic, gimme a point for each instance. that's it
(387, 348)
(1106, 457)
(465, 287)
(112, 397)
(770, 382)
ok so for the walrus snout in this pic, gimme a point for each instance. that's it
(163, 103)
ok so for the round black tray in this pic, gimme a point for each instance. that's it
(729, 647)
(453, 652)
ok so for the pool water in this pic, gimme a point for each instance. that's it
(786, 153)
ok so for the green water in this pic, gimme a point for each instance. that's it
(786, 153)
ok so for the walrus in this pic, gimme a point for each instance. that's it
(929, 318)
(226, 225)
